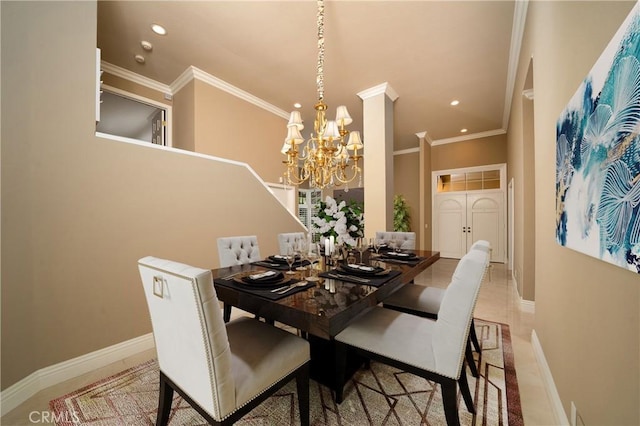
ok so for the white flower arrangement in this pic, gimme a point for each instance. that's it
(342, 221)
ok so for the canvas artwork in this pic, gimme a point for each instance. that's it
(598, 156)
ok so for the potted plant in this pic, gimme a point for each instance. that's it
(401, 216)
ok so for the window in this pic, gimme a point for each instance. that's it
(469, 181)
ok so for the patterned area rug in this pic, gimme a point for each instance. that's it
(381, 395)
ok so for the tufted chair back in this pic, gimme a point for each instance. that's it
(287, 239)
(456, 312)
(238, 250)
(408, 238)
(483, 245)
(190, 335)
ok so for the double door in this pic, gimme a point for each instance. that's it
(464, 217)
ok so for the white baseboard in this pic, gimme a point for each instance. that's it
(549, 384)
(525, 305)
(16, 394)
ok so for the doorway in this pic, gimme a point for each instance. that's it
(469, 205)
(126, 116)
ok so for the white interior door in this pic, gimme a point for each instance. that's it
(462, 218)
(450, 225)
(485, 221)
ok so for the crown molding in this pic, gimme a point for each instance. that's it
(183, 79)
(425, 136)
(133, 77)
(193, 73)
(528, 94)
(383, 88)
(469, 137)
(406, 151)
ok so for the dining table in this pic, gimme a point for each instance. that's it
(323, 308)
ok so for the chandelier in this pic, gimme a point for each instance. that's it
(327, 159)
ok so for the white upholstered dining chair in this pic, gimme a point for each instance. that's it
(406, 240)
(238, 250)
(434, 350)
(287, 239)
(222, 370)
(233, 251)
(425, 301)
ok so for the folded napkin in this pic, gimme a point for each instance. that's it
(362, 267)
(262, 275)
(398, 254)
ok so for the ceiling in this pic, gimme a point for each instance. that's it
(429, 52)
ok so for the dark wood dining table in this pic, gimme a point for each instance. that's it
(324, 309)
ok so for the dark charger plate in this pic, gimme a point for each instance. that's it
(357, 271)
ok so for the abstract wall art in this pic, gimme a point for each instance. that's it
(598, 156)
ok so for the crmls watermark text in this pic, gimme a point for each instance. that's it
(50, 417)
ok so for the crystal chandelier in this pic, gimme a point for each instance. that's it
(327, 158)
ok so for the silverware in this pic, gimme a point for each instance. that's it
(275, 290)
(349, 277)
(292, 286)
(228, 277)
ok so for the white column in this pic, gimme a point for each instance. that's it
(378, 157)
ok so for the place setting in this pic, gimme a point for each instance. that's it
(397, 256)
(272, 285)
(280, 262)
(361, 274)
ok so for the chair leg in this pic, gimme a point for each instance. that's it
(469, 356)
(302, 384)
(164, 402)
(474, 337)
(466, 393)
(226, 313)
(341, 367)
(449, 400)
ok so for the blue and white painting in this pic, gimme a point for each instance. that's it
(598, 156)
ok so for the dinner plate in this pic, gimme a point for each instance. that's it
(376, 270)
(274, 281)
(282, 259)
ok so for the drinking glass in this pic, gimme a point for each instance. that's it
(361, 245)
(291, 258)
(336, 254)
(301, 252)
(376, 243)
(313, 254)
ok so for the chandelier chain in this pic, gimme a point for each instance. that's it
(320, 66)
(327, 159)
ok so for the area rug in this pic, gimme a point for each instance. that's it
(380, 395)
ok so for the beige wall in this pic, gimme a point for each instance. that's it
(474, 152)
(229, 127)
(78, 211)
(587, 311)
(406, 181)
(521, 169)
(184, 124)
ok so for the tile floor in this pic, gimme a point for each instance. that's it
(498, 301)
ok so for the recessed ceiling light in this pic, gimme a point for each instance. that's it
(455, 102)
(297, 105)
(463, 131)
(158, 29)
(139, 59)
